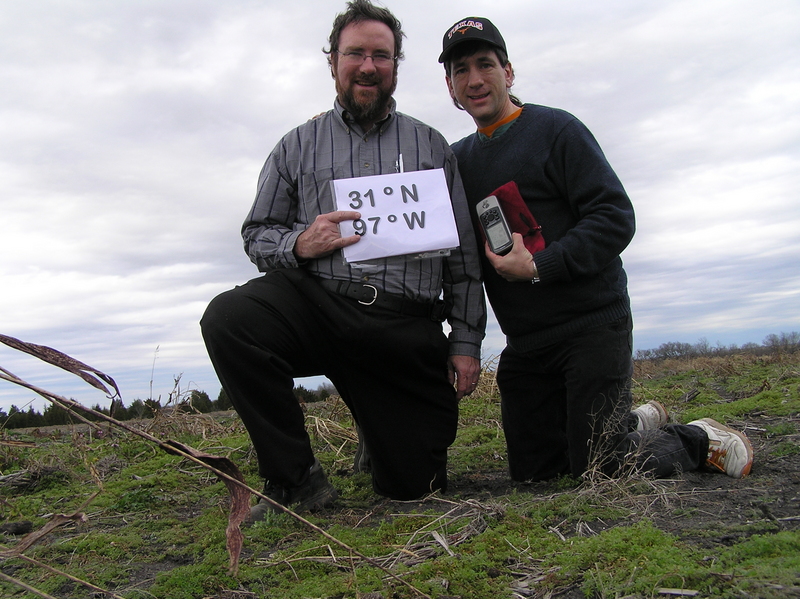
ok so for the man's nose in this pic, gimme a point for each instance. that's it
(368, 66)
(475, 78)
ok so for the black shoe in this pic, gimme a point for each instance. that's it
(313, 495)
(361, 462)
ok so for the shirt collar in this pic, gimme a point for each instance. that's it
(349, 123)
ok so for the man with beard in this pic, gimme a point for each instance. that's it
(374, 329)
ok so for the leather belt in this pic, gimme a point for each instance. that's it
(369, 295)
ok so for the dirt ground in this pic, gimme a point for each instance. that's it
(693, 504)
(770, 493)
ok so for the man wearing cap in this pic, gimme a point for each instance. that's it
(373, 328)
(560, 294)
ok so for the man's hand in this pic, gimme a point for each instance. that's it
(516, 265)
(464, 372)
(323, 236)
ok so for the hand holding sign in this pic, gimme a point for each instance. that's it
(323, 236)
(401, 214)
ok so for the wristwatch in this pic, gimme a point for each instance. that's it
(535, 278)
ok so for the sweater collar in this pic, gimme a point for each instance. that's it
(497, 129)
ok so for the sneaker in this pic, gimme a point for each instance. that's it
(313, 495)
(729, 451)
(650, 416)
(361, 462)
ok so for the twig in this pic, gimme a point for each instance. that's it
(27, 587)
(31, 539)
(97, 589)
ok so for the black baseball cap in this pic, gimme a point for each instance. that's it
(471, 28)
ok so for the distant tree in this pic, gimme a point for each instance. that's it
(137, 410)
(13, 417)
(305, 395)
(223, 402)
(151, 407)
(325, 390)
(785, 342)
(674, 349)
(99, 409)
(19, 419)
(201, 402)
(702, 347)
(54, 415)
(34, 417)
(119, 411)
(793, 339)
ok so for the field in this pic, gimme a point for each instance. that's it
(103, 512)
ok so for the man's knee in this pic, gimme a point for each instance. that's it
(217, 315)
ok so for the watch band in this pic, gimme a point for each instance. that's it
(535, 278)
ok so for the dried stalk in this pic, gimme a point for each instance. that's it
(58, 572)
(27, 587)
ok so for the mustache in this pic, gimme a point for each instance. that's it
(367, 80)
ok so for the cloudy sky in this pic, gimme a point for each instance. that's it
(132, 133)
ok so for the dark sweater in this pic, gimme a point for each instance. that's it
(586, 217)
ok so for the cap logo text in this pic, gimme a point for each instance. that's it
(463, 26)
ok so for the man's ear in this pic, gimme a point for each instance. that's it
(509, 75)
(450, 86)
(332, 65)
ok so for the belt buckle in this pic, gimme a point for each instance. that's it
(374, 297)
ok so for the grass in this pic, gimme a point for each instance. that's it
(155, 523)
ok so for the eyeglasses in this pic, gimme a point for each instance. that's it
(380, 59)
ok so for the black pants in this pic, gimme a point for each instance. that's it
(568, 404)
(390, 369)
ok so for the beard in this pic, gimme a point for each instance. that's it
(368, 105)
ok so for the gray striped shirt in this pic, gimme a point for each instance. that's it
(293, 189)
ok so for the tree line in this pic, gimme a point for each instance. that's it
(191, 402)
(787, 343)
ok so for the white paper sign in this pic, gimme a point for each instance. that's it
(401, 213)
